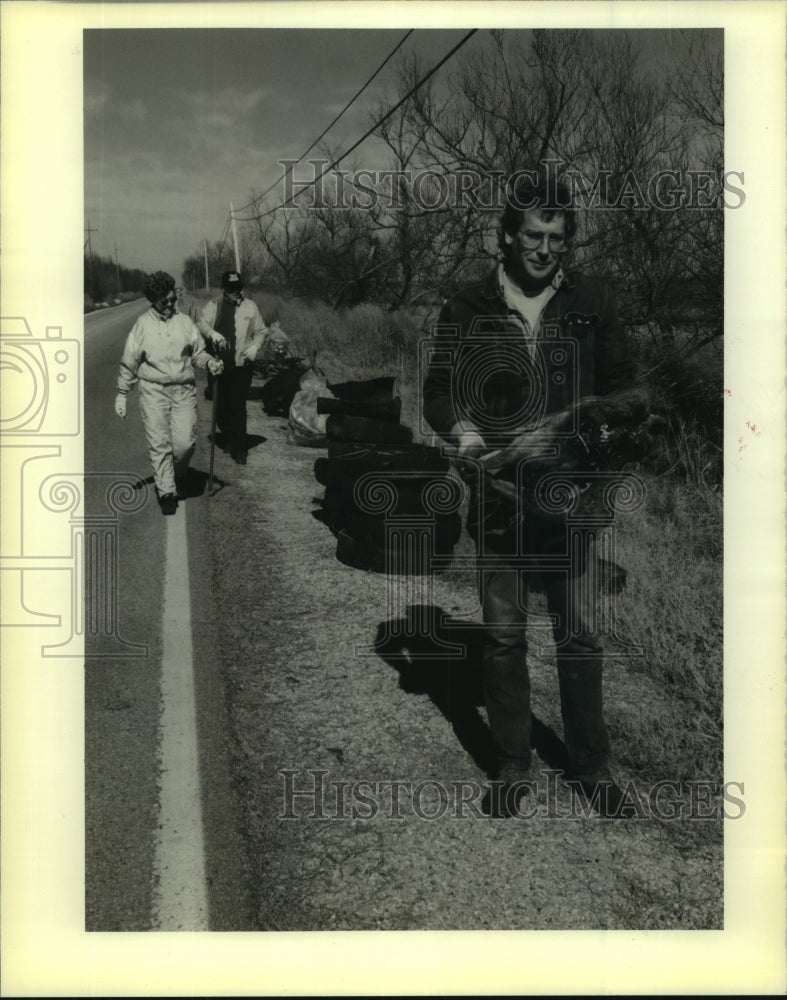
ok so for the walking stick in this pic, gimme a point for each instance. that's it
(214, 401)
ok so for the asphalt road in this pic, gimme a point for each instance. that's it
(125, 602)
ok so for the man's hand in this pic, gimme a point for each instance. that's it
(470, 446)
(120, 405)
(250, 353)
(218, 341)
(215, 366)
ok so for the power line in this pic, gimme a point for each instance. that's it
(366, 135)
(352, 100)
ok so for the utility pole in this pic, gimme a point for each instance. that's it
(117, 270)
(207, 285)
(235, 238)
(89, 244)
(90, 256)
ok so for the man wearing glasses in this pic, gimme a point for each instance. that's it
(528, 341)
(160, 354)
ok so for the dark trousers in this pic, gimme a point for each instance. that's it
(233, 387)
(571, 601)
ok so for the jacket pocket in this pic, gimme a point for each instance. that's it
(577, 324)
(581, 329)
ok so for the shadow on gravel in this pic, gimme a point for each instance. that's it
(440, 656)
(195, 484)
(252, 440)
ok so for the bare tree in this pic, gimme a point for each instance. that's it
(590, 102)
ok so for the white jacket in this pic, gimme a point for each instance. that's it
(161, 351)
(250, 329)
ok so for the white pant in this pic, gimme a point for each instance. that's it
(169, 413)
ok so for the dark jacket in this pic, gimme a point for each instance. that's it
(480, 368)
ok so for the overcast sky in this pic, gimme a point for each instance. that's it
(178, 123)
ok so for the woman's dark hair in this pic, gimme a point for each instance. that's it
(158, 286)
(529, 189)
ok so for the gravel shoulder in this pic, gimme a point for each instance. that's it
(317, 706)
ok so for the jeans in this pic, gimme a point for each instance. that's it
(571, 601)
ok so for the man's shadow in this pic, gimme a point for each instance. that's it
(438, 655)
(252, 441)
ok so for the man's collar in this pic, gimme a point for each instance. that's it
(495, 286)
(559, 278)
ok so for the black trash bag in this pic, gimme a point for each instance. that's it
(367, 456)
(279, 391)
(432, 496)
(334, 471)
(444, 531)
(374, 390)
(373, 551)
(390, 410)
(342, 427)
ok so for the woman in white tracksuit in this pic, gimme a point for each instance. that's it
(160, 353)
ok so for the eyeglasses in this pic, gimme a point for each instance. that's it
(170, 300)
(533, 241)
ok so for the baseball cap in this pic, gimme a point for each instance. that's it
(231, 281)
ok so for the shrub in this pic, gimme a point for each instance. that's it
(689, 389)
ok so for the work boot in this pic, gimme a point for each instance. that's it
(239, 456)
(603, 795)
(168, 503)
(504, 795)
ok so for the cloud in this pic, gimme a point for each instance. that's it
(96, 93)
(100, 101)
(227, 104)
(133, 110)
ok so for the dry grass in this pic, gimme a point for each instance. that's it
(672, 607)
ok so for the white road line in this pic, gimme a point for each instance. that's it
(180, 901)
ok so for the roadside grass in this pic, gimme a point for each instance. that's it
(668, 716)
(672, 607)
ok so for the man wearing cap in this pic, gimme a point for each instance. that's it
(235, 330)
